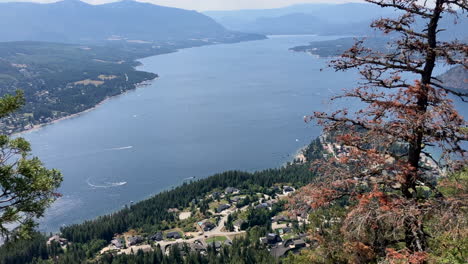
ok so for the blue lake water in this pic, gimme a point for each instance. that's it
(214, 108)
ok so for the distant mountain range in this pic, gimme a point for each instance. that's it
(301, 23)
(321, 19)
(73, 21)
(69, 56)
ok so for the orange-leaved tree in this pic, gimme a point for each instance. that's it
(386, 169)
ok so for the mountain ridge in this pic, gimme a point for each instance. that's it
(335, 15)
(74, 21)
(349, 19)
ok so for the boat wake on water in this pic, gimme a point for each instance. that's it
(122, 148)
(106, 184)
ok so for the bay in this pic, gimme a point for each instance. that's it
(214, 108)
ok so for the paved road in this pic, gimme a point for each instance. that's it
(217, 231)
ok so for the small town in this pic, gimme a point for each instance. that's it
(233, 132)
(218, 225)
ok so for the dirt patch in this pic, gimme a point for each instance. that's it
(134, 249)
(106, 77)
(185, 215)
(89, 82)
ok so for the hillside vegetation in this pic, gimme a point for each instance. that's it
(73, 21)
(253, 198)
(61, 79)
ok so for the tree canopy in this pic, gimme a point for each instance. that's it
(384, 165)
(27, 188)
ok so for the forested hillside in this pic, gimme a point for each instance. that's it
(331, 48)
(385, 183)
(73, 21)
(350, 19)
(63, 79)
(105, 40)
(322, 19)
(157, 214)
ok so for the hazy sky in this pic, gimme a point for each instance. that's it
(203, 5)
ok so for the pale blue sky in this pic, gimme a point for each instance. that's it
(203, 5)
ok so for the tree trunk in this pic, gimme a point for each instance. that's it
(414, 233)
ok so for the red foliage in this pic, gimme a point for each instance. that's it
(379, 156)
(404, 256)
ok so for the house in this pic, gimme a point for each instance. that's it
(231, 190)
(197, 247)
(299, 243)
(303, 217)
(279, 251)
(286, 230)
(172, 210)
(291, 245)
(288, 189)
(222, 207)
(236, 199)
(173, 235)
(184, 246)
(273, 238)
(216, 245)
(157, 237)
(238, 224)
(270, 239)
(118, 243)
(262, 206)
(302, 214)
(280, 218)
(133, 240)
(207, 226)
(57, 239)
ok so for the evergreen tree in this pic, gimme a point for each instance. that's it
(27, 188)
(394, 194)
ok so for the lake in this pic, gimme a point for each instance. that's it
(214, 108)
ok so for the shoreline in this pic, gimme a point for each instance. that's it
(295, 150)
(138, 85)
(42, 125)
(298, 155)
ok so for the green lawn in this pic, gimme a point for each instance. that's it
(216, 239)
(214, 205)
(288, 236)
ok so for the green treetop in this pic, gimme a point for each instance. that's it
(27, 188)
